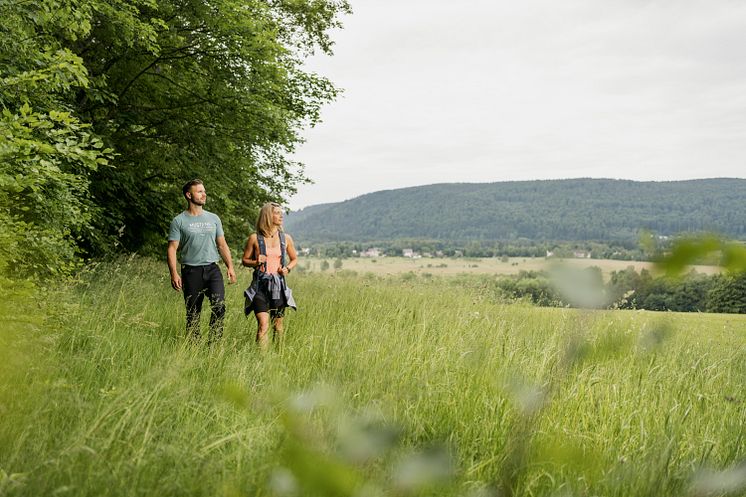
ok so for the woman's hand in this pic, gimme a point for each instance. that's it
(283, 271)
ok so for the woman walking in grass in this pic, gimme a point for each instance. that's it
(272, 254)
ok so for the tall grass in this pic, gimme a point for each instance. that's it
(381, 386)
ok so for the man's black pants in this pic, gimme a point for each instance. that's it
(196, 282)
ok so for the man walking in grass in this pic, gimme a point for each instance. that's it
(200, 235)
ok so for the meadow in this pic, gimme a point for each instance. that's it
(385, 266)
(382, 386)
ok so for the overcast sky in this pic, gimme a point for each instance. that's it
(493, 90)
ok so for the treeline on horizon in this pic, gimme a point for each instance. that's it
(570, 210)
(108, 108)
(626, 251)
(628, 289)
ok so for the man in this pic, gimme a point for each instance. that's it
(200, 235)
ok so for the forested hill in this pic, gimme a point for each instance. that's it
(574, 209)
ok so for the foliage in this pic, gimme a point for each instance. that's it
(184, 89)
(532, 286)
(569, 210)
(628, 289)
(47, 155)
(108, 107)
(728, 294)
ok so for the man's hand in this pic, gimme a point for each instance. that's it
(176, 282)
(173, 245)
(231, 276)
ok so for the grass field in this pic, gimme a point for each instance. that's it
(383, 266)
(383, 386)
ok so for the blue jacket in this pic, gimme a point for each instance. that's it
(276, 286)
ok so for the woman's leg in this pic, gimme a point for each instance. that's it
(278, 328)
(262, 322)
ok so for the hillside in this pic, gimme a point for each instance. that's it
(574, 209)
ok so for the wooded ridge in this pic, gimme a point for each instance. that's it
(572, 209)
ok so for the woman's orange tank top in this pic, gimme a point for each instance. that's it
(273, 258)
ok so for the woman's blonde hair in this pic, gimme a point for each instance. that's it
(264, 223)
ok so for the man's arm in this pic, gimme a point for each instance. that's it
(173, 245)
(225, 254)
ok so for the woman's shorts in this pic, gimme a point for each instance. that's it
(263, 303)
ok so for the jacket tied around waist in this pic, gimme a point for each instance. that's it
(275, 286)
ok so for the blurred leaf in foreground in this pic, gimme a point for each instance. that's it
(365, 438)
(652, 339)
(730, 481)
(319, 396)
(693, 250)
(319, 474)
(582, 288)
(421, 470)
(734, 257)
(234, 393)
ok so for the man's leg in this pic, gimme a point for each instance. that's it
(216, 294)
(191, 277)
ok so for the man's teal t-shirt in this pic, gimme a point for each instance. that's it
(196, 236)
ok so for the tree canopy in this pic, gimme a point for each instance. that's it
(108, 106)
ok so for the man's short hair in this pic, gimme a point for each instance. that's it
(189, 184)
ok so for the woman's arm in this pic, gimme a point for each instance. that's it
(292, 255)
(251, 256)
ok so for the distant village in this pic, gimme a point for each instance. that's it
(376, 252)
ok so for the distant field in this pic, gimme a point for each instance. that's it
(451, 266)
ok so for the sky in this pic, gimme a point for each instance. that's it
(439, 91)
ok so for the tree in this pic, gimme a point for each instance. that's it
(728, 294)
(187, 88)
(622, 286)
(47, 155)
(109, 106)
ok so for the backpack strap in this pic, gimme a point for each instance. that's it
(262, 249)
(283, 247)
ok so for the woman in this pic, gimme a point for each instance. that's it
(272, 254)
